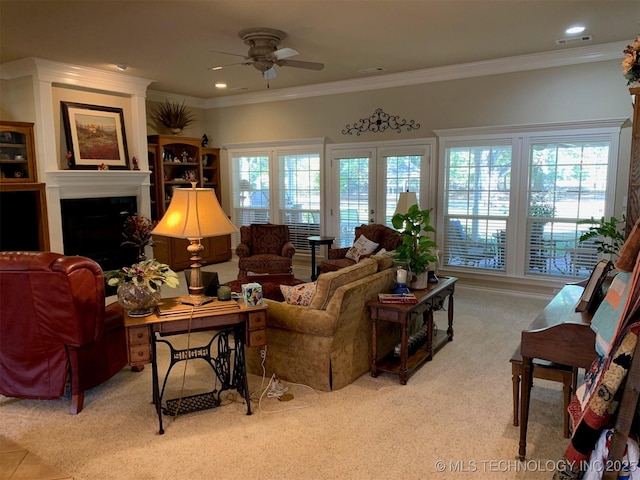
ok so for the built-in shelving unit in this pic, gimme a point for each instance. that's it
(176, 162)
(23, 202)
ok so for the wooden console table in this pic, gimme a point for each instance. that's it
(247, 325)
(429, 299)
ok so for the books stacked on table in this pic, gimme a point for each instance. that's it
(397, 298)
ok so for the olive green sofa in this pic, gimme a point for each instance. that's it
(327, 344)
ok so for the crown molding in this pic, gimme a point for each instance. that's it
(75, 76)
(604, 123)
(535, 61)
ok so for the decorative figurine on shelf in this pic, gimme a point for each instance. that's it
(184, 155)
(69, 157)
(134, 160)
(103, 166)
(205, 140)
(190, 175)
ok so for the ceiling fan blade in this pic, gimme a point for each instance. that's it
(300, 64)
(220, 67)
(227, 53)
(269, 74)
(285, 53)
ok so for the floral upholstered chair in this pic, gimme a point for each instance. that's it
(264, 248)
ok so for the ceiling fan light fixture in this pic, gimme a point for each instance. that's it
(220, 85)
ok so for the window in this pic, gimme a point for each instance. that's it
(367, 180)
(278, 182)
(299, 205)
(567, 183)
(512, 200)
(477, 199)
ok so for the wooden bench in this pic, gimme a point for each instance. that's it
(545, 371)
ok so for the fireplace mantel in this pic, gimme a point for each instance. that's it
(96, 183)
(68, 184)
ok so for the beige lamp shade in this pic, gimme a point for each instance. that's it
(194, 213)
(406, 200)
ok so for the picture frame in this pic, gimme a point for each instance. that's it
(592, 293)
(95, 136)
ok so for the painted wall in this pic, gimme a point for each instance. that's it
(17, 100)
(67, 94)
(559, 94)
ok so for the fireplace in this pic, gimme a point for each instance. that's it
(92, 227)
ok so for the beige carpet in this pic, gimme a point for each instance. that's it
(456, 409)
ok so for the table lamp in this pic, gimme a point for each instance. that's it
(406, 200)
(194, 213)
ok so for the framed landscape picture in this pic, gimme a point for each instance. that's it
(95, 136)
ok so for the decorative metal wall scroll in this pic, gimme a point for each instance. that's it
(379, 122)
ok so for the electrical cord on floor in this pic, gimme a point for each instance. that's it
(184, 372)
(275, 388)
(262, 389)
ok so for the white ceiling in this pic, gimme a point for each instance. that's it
(172, 42)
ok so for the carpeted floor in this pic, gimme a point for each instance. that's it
(453, 419)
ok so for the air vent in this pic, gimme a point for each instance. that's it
(372, 70)
(580, 39)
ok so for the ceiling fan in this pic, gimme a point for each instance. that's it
(264, 55)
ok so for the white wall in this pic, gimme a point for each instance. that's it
(578, 92)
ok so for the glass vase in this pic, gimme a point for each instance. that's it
(137, 300)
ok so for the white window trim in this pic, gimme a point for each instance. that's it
(376, 150)
(521, 137)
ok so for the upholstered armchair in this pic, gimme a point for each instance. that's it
(384, 236)
(264, 248)
(54, 326)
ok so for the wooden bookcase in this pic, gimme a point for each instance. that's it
(23, 203)
(175, 162)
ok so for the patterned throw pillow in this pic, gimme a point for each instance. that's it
(362, 246)
(299, 294)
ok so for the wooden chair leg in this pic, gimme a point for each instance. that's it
(77, 402)
(515, 377)
(567, 389)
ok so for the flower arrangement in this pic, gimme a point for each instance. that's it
(137, 231)
(631, 62)
(148, 273)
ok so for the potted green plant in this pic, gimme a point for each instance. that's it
(607, 235)
(139, 285)
(417, 247)
(173, 116)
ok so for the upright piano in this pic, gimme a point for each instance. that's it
(560, 335)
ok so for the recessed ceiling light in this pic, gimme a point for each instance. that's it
(221, 85)
(216, 68)
(122, 66)
(575, 29)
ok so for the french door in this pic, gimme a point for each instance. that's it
(366, 183)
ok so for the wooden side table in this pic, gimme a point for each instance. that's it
(429, 299)
(313, 241)
(246, 325)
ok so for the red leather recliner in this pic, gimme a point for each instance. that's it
(53, 323)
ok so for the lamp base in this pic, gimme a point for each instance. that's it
(401, 288)
(196, 300)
